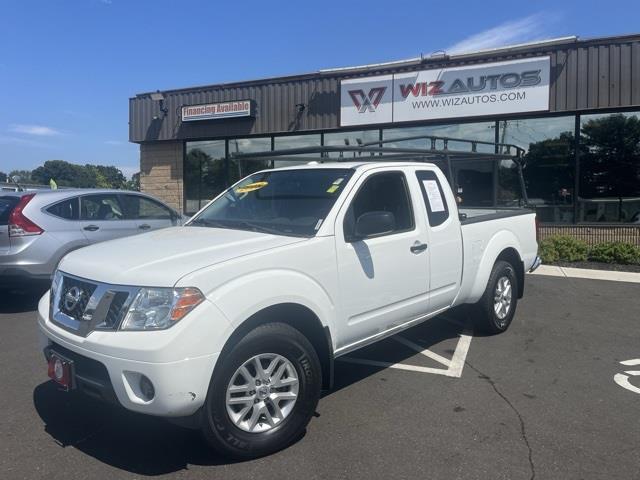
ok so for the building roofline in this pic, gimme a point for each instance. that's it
(422, 60)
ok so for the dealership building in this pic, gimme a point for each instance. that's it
(573, 105)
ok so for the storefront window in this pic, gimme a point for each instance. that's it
(353, 139)
(483, 131)
(549, 164)
(241, 168)
(609, 189)
(204, 173)
(473, 179)
(296, 141)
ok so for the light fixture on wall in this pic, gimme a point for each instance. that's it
(158, 96)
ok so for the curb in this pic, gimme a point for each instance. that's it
(567, 272)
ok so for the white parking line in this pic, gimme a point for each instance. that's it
(555, 271)
(623, 380)
(453, 368)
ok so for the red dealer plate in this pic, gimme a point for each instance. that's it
(61, 370)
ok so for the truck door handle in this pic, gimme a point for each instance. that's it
(92, 228)
(144, 226)
(418, 247)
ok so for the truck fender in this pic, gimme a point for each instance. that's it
(272, 287)
(500, 242)
(277, 292)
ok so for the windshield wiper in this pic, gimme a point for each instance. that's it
(208, 223)
(262, 228)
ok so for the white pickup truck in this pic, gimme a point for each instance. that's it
(234, 320)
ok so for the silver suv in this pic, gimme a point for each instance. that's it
(37, 228)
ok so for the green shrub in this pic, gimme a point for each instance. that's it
(615, 252)
(547, 250)
(563, 248)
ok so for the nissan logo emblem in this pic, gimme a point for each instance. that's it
(71, 298)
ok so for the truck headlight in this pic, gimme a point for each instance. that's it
(160, 308)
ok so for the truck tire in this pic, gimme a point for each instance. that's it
(263, 393)
(495, 310)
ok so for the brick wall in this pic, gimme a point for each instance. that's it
(161, 172)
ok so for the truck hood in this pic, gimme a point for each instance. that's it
(162, 257)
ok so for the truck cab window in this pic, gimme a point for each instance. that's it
(382, 192)
(434, 199)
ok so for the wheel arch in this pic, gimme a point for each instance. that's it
(502, 246)
(300, 317)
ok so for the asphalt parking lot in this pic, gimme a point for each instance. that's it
(539, 402)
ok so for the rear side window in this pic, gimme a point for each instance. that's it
(382, 192)
(101, 207)
(6, 206)
(67, 209)
(434, 199)
(138, 207)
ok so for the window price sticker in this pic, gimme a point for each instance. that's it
(433, 194)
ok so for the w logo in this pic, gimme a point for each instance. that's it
(367, 103)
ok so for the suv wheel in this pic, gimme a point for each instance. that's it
(496, 308)
(263, 393)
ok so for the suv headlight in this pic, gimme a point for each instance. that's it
(160, 308)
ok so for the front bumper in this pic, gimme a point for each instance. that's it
(180, 386)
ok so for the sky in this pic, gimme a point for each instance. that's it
(68, 67)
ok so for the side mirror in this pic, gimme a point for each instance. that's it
(372, 224)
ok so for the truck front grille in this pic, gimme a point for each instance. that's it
(75, 297)
(82, 306)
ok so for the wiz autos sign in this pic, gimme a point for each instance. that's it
(488, 89)
(212, 111)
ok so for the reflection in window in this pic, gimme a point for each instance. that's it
(353, 139)
(472, 179)
(241, 168)
(610, 168)
(295, 141)
(204, 173)
(482, 131)
(549, 163)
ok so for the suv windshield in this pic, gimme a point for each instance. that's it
(283, 202)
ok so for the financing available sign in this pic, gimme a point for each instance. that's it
(475, 90)
(212, 111)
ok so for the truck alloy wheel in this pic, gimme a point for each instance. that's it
(262, 393)
(495, 310)
(502, 298)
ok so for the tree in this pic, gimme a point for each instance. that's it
(3, 177)
(549, 169)
(134, 183)
(610, 162)
(82, 176)
(107, 176)
(25, 175)
(65, 174)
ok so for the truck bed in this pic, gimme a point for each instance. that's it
(476, 215)
(485, 233)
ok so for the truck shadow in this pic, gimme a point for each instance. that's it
(136, 443)
(21, 300)
(146, 445)
(425, 335)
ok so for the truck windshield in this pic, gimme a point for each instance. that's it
(283, 202)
